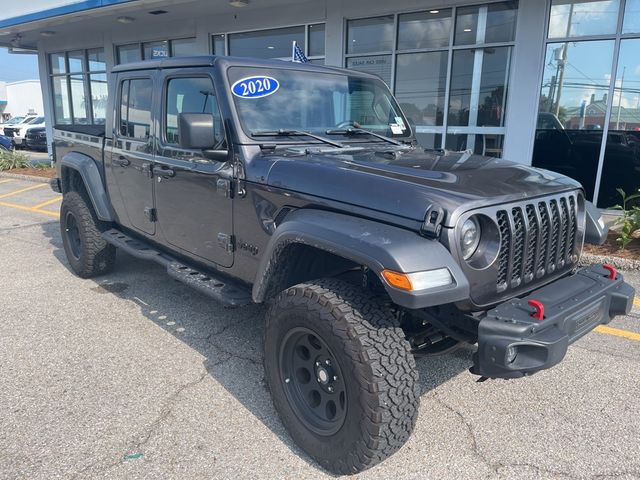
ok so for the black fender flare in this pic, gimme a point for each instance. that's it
(92, 180)
(375, 245)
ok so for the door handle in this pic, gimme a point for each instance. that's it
(122, 161)
(164, 172)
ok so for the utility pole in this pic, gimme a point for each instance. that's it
(562, 61)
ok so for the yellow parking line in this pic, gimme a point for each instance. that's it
(26, 189)
(6, 181)
(618, 332)
(636, 302)
(29, 209)
(48, 202)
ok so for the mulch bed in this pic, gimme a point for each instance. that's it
(611, 248)
(35, 172)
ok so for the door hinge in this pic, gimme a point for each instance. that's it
(151, 214)
(223, 187)
(226, 241)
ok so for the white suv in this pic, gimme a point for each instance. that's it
(16, 122)
(20, 131)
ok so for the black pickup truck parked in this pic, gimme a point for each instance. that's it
(303, 187)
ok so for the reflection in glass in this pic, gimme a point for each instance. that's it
(183, 47)
(316, 40)
(499, 20)
(621, 167)
(420, 90)
(579, 18)
(78, 100)
(218, 45)
(188, 95)
(274, 43)
(489, 81)
(573, 103)
(76, 61)
(429, 29)
(481, 144)
(631, 17)
(370, 35)
(97, 62)
(129, 53)
(61, 101)
(58, 64)
(156, 50)
(99, 96)
(379, 65)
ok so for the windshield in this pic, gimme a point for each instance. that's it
(273, 99)
(37, 120)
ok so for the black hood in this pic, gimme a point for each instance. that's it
(406, 183)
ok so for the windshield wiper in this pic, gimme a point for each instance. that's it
(294, 133)
(359, 131)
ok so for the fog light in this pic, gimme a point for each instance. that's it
(512, 353)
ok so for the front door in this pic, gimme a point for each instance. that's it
(132, 155)
(192, 193)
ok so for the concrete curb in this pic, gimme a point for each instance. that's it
(618, 262)
(28, 178)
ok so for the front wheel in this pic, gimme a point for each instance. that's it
(341, 374)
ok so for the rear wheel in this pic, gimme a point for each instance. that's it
(87, 252)
(341, 374)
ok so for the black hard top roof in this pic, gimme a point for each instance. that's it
(211, 60)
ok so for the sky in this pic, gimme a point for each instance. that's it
(17, 67)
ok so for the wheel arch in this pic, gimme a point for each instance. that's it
(79, 172)
(344, 242)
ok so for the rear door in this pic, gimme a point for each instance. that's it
(192, 192)
(132, 153)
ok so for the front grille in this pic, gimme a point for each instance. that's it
(10, 132)
(536, 239)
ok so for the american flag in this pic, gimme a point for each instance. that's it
(298, 55)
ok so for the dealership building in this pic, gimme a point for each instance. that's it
(553, 83)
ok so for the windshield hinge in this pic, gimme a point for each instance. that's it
(223, 187)
(432, 225)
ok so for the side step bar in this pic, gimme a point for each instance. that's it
(226, 291)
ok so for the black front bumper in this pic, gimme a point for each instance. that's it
(512, 343)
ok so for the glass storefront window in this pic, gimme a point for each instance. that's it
(99, 97)
(97, 62)
(218, 42)
(577, 18)
(58, 63)
(183, 47)
(79, 100)
(76, 61)
(420, 89)
(479, 80)
(155, 50)
(491, 23)
(129, 53)
(379, 65)
(370, 35)
(488, 144)
(316, 40)
(430, 29)
(61, 110)
(621, 168)
(631, 17)
(275, 43)
(573, 105)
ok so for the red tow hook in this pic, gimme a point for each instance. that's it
(613, 272)
(539, 313)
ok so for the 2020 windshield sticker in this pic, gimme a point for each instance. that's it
(255, 87)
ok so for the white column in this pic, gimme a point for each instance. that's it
(524, 87)
(47, 96)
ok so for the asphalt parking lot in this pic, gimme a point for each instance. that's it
(134, 375)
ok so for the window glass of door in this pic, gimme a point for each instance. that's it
(135, 112)
(576, 18)
(190, 95)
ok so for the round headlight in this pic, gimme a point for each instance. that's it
(469, 237)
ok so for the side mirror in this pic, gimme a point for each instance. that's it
(196, 131)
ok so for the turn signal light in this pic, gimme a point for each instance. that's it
(398, 280)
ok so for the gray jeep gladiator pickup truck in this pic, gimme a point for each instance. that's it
(303, 187)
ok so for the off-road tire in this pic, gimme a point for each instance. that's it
(381, 380)
(93, 256)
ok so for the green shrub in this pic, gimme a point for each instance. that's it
(630, 220)
(10, 159)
